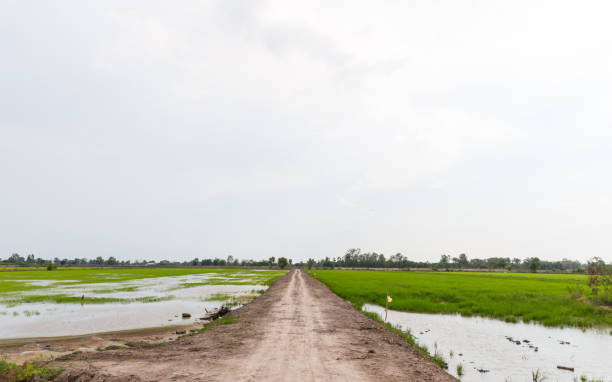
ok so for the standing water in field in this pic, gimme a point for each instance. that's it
(126, 305)
(493, 350)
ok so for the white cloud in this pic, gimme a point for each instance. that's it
(339, 107)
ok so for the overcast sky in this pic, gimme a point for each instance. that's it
(156, 129)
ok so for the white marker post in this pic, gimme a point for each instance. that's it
(389, 299)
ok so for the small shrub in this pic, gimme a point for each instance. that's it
(460, 370)
(25, 372)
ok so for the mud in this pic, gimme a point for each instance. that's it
(297, 331)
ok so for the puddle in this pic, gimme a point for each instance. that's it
(46, 319)
(482, 343)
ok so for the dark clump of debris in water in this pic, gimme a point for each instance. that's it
(216, 313)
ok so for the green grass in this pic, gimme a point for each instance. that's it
(25, 372)
(225, 320)
(541, 298)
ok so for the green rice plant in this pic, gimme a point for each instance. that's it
(460, 370)
(512, 297)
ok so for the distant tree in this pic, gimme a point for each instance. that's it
(444, 260)
(16, 259)
(282, 262)
(310, 263)
(195, 261)
(351, 257)
(327, 263)
(534, 264)
(595, 265)
(463, 261)
(272, 260)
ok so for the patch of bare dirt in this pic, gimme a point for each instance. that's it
(297, 331)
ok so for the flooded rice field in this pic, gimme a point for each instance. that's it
(493, 350)
(128, 305)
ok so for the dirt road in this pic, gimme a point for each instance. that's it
(297, 331)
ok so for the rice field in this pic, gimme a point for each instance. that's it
(102, 285)
(511, 297)
(36, 304)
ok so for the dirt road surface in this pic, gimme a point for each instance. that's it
(297, 331)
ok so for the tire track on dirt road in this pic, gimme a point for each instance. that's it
(297, 345)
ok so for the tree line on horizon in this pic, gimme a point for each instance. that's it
(353, 258)
(31, 260)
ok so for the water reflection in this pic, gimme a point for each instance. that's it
(508, 352)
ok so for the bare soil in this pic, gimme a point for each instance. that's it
(297, 331)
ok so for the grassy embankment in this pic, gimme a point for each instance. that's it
(41, 286)
(541, 298)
